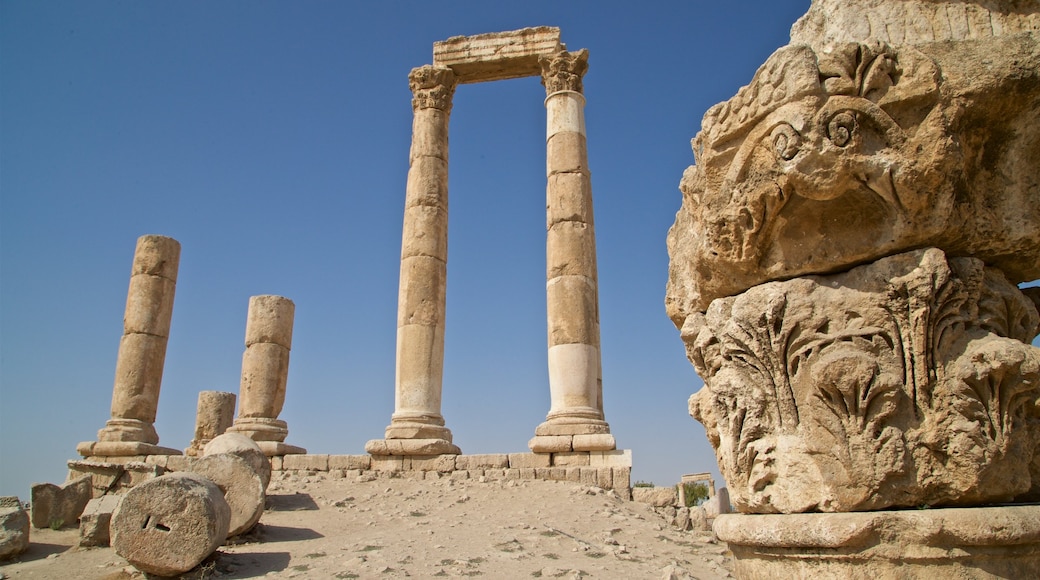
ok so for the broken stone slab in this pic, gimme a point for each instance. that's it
(655, 496)
(244, 447)
(96, 519)
(14, 527)
(243, 489)
(168, 525)
(56, 506)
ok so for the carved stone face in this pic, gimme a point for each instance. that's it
(834, 159)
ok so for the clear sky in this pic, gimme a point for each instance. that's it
(271, 139)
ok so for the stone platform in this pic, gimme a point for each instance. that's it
(980, 542)
(604, 469)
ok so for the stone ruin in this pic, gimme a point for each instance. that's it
(575, 422)
(166, 523)
(844, 273)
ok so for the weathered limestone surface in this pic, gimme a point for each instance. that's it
(843, 272)
(986, 542)
(417, 426)
(142, 352)
(265, 370)
(885, 126)
(906, 382)
(115, 478)
(245, 448)
(575, 420)
(214, 414)
(243, 489)
(168, 525)
(14, 527)
(497, 55)
(59, 506)
(655, 496)
(96, 520)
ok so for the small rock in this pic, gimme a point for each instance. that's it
(14, 528)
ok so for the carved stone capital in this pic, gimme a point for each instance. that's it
(432, 87)
(906, 382)
(564, 70)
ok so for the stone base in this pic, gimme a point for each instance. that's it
(260, 428)
(567, 443)
(986, 542)
(410, 447)
(274, 448)
(121, 449)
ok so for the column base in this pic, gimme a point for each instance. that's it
(567, 443)
(985, 542)
(411, 447)
(128, 430)
(260, 428)
(121, 449)
(275, 448)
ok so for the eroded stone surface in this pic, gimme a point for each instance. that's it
(55, 506)
(244, 447)
(846, 148)
(14, 527)
(906, 382)
(242, 487)
(168, 525)
(96, 520)
(989, 542)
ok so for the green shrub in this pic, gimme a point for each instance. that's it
(694, 494)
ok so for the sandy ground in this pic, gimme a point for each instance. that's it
(316, 526)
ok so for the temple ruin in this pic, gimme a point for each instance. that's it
(575, 422)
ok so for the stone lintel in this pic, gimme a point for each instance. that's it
(497, 56)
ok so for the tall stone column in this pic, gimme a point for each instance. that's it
(142, 352)
(417, 427)
(575, 421)
(265, 369)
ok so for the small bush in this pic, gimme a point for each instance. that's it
(642, 484)
(694, 494)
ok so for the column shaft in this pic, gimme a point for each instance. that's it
(575, 382)
(142, 352)
(265, 371)
(417, 426)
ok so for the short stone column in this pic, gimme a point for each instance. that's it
(417, 427)
(575, 421)
(213, 416)
(142, 353)
(265, 369)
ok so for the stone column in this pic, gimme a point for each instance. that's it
(575, 420)
(142, 352)
(214, 415)
(265, 369)
(417, 427)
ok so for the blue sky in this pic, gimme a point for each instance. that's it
(271, 139)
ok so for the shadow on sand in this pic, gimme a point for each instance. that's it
(291, 502)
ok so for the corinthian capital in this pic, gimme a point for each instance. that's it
(432, 87)
(563, 70)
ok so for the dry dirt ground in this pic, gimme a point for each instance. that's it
(316, 526)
